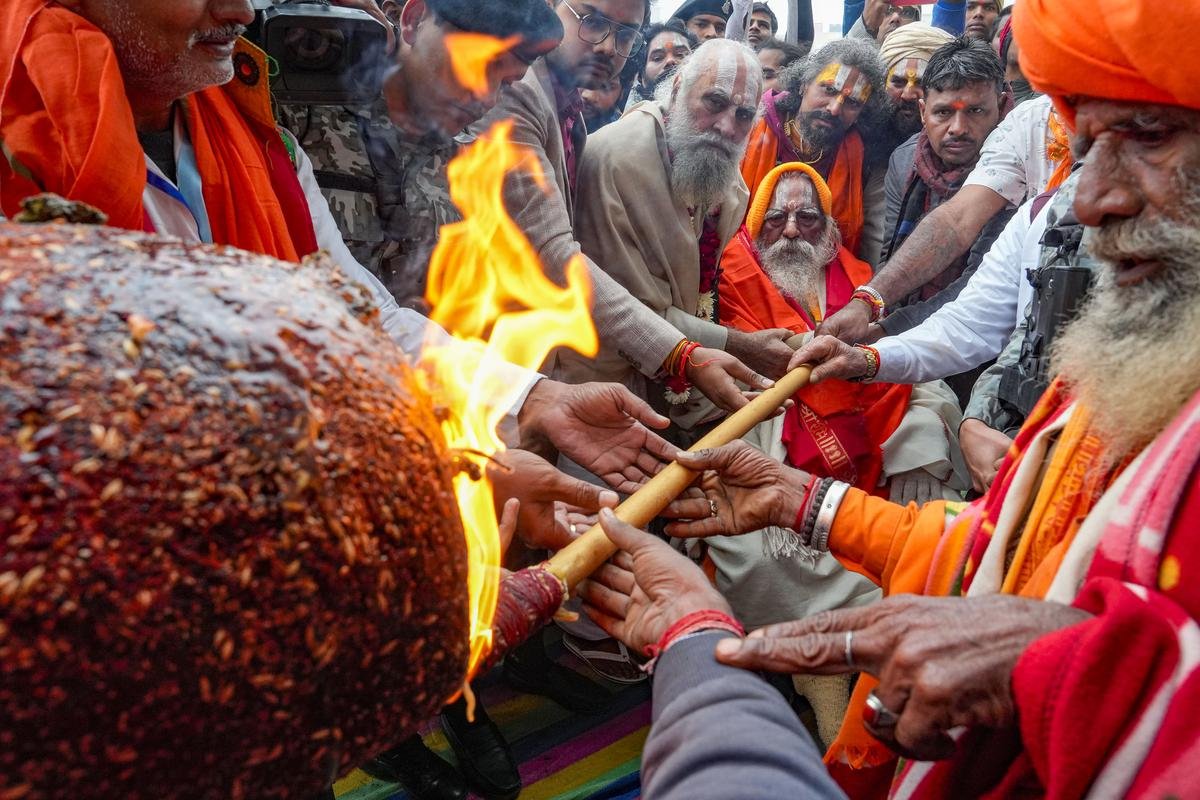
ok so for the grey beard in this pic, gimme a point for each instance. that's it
(797, 267)
(1130, 357)
(703, 165)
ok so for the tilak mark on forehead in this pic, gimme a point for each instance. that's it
(727, 69)
(912, 69)
(848, 81)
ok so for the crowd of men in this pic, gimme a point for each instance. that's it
(965, 543)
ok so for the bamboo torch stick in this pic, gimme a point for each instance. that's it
(585, 555)
(530, 597)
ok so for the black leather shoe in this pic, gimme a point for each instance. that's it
(528, 669)
(484, 757)
(422, 773)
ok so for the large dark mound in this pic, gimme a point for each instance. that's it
(230, 560)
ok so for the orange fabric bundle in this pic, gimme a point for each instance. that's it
(1131, 50)
(845, 179)
(67, 127)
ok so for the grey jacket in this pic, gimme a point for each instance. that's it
(722, 733)
(545, 213)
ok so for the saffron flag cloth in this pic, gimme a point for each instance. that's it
(835, 428)
(66, 126)
(1050, 480)
(769, 146)
(1116, 49)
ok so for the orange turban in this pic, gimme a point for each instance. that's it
(766, 190)
(1134, 50)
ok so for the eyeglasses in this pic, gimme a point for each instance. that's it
(594, 28)
(805, 217)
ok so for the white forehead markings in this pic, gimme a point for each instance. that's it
(727, 67)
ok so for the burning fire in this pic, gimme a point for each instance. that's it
(470, 56)
(487, 288)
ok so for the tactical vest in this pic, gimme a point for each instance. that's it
(389, 195)
(1061, 282)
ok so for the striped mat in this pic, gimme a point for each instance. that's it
(560, 755)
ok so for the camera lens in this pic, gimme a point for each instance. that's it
(314, 49)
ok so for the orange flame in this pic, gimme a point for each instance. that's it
(470, 56)
(487, 288)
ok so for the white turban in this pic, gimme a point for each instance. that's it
(914, 40)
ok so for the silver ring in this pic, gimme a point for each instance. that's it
(850, 650)
(877, 715)
(712, 508)
(573, 531)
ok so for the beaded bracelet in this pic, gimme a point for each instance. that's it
(805, 526)
(873, 299)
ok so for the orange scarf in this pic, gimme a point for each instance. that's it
(66, 127)
(867, 414)
(845, 179)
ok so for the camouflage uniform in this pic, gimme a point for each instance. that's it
(388, 192)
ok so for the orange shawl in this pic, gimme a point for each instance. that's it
(66, 127)
(845, 178)
(936, 551)
(867, 414)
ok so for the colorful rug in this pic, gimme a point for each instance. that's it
(561, 756)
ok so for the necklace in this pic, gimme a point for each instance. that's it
(797, 140)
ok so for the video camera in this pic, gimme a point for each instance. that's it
(321, 54)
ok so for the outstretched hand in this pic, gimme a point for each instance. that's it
(645, 588)
(602, 427)
(941, 662)
(746, 488)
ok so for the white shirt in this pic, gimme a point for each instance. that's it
(975, 326)
(171, 216)
(1013, 162)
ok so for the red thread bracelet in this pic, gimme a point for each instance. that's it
(685, 358)
(802, 515)
(698, 620)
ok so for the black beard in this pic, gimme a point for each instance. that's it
(820, 137)
(907, 118)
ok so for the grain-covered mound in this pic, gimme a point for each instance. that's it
(230, 560)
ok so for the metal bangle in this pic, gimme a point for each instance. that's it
(828, 512)
(814, 508)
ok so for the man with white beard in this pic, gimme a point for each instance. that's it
(659, 198)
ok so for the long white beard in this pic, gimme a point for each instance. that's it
(1130, 357)
(704, 165)
(797, 268)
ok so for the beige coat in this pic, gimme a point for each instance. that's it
(545, 215)
(629, 222)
